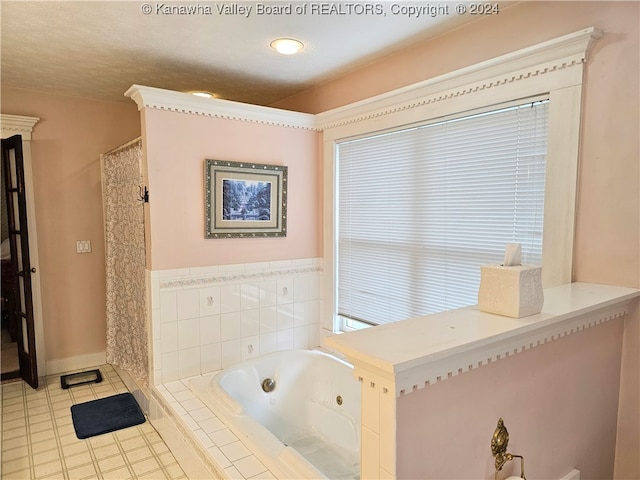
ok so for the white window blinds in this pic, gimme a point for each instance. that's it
(419, 210)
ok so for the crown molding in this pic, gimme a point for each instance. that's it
(17, 124)
(550, 56)
(558, 54)
(150, 97)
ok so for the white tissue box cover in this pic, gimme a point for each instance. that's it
(511, 291)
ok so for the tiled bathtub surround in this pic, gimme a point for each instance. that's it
(208, 318)
(207, 447)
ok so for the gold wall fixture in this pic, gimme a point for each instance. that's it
(499, 443)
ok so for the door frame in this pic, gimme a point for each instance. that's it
(13, 125)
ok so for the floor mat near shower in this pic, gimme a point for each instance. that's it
(80, 378)
(106, 415)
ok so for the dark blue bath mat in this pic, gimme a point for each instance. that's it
(106, 415)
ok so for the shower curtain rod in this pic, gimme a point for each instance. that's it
(123, 146)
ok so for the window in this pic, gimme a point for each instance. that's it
(420, 209)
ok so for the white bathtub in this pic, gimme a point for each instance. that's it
(308, 426)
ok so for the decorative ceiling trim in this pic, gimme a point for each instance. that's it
(17, 124)
(150, 97)
(557, 54)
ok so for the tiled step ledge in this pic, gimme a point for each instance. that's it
(202, 444)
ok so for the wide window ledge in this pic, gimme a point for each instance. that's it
(413, 353)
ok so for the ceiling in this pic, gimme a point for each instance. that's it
(98, 49)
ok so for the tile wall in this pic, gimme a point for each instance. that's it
(207, 318)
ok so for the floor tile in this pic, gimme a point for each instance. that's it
(250, 466)
(81, 472)
(118, 474)
(78, 460)
(146, 466)
(48, 469)
(39, 440)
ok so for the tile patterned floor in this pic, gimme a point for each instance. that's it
(39, 442)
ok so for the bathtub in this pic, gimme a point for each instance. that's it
(306, 424)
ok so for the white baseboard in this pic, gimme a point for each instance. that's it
(72, 364)
(572, 475)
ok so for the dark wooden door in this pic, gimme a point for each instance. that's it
(13, 167)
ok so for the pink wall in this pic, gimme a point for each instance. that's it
(177, 145)
(73, 133)
(66, 147)
(609, 184)
(558, 400)
(609, 192)
(607, 242)
(628, 434)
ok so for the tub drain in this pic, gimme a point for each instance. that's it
(268, 385)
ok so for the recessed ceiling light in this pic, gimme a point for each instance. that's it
(203, 94)
(287, 46)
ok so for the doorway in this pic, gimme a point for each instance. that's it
(12, 125)
(9, 365)
(17, 285)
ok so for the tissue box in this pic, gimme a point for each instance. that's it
(511, 291)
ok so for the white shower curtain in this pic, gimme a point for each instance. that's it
(127, 330)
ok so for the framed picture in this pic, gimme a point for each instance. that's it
(245, 200)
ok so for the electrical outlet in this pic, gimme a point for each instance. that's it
(83, 246)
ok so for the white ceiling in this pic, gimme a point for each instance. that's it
(98, 49)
